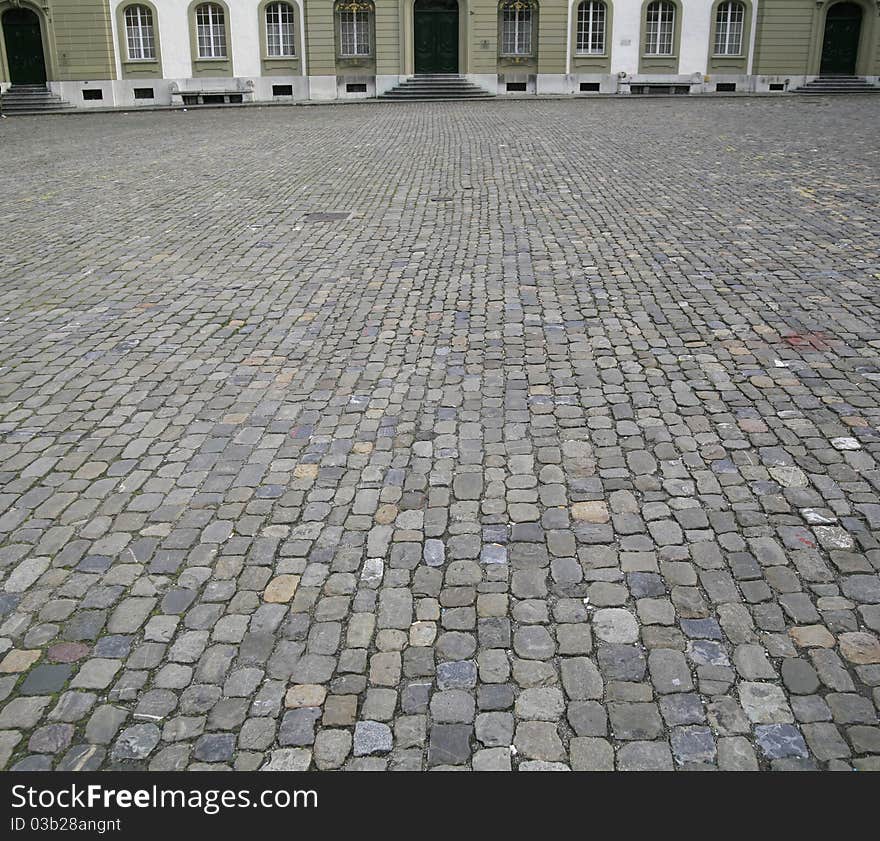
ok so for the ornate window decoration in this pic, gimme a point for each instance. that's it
(139, 35)
(211, 30)
(729, 22)
(660, 28)
(355, 22)
(280, 34)
(517, 24)
(591, 28)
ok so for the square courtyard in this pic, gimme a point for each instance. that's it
(508, 435)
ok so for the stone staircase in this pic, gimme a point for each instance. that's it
(433, 87)
(31, 99)
(824, 85)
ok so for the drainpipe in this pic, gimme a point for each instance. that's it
(302, 36)
(114, 34)
(568, 38)
(753, 36)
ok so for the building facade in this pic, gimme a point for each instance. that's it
(157, 52)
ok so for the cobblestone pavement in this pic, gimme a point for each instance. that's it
(524, 435)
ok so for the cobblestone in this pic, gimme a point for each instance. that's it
(575, 470)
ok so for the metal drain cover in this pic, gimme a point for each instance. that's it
(324, 217)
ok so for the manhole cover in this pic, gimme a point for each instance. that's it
(324, 217)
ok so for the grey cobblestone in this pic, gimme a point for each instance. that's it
(576, 470)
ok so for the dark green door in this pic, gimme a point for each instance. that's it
(840, 48)
(436, 36)
(24, 47)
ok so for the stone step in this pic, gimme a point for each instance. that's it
(431, 87)
(837, 85)
(31, 99)
(436, 98)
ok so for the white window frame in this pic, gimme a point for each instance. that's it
(355, 32)
(517, 22)
(592, 17)
(280, 21)
(211, 38)
(140, 32)
(730, 24)
(656, 29)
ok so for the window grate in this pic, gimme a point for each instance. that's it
(211, 31)
(280, 40)
(92, 94)
(139, 33)
(354, 33)
(729, 28)
(144, 93)
(516, 29)
(660, 28)
(282, 90)
(591, 28)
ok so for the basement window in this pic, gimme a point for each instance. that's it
(282, 90)
(660, 89)
(516, 86)
(725, 87)
(92, 94)
(590, 86)
(144, 93)
(356, 87)
(777, 86)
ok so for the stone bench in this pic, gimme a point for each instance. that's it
(211, 96)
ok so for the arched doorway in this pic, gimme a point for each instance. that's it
(840, 46)
(435, 36)
(24, 47)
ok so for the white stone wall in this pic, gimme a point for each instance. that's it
(174, 36)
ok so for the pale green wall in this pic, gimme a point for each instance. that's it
(387, 36)
(784, 35)
(320, 42)
(552, 36)
(484, 27)
(78, 39)
(83, 39)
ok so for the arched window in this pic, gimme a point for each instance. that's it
(591, 28)
(516, 27)
(139, 33)
(729, 28)
(211, 30)
(660, 28)
(355, 19)
(279, 30)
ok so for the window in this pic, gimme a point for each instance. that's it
(516, 28)
(591, 28)
(139, 33)
(729, 28)
(211, 30)
(660, 28)
(355, 22)
(279, 30)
